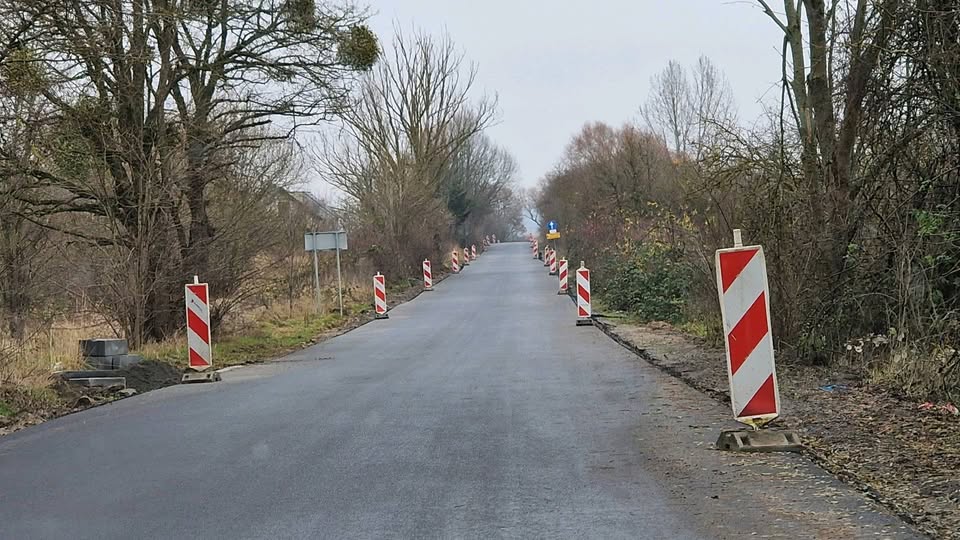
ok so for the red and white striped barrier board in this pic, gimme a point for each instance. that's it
(473, 252)
(199, 344)
(536, 249)
(495, 241)
(563, 277)
(553, 262)
(584, 311)
(745, 309)
(455, 262)
(466, 256)
(380, 296)
(427, 276)
(546, 256)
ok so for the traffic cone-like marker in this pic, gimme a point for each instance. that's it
(553, 262)
(473, 252)
(199, 344)
(455, 262)
(584, 312)
(380, 297)
(563, 277)
(745, 311)
(427, 276)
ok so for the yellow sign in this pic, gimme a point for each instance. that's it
(553, 236)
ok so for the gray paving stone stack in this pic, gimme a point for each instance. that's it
(107, 354)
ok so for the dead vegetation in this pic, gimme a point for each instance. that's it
(851, 182)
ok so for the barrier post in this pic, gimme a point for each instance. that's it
(427, 276)
(745, 312)
(199, 342)
(563, 277)
(584, 311)
(380, 297)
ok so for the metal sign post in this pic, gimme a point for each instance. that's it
(339, 279)
(326, 241)
(316, 281)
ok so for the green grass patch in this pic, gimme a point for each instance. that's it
(6, 410)
(267, 339)
(705, 329)
(272, 338)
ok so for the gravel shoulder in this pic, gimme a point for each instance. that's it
(906, 458)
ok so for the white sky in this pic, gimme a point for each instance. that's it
(557, 64)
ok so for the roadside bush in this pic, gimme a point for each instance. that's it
(646, 279)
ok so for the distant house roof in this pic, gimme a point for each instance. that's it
(314, 205)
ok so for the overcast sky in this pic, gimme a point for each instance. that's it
(557, 64)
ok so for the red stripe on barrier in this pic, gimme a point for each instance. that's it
(583, 293)
(200, 291)
(199, 327)
(732, 263)
(196, 359)
(763, 402)
(748, 332)
(380, 294)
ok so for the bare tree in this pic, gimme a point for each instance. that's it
(688, 111)
(151, 108)
(668, 110)
(411, 118)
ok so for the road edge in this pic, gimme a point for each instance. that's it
(724, 398)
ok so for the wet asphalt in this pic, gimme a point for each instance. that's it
(478, 410)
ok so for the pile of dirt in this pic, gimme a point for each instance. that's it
(150, 375)
(904, 454)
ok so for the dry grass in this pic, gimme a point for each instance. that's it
(31, 362)
(262, 333)
(251, 334)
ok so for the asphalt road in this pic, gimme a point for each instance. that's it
(475, 411)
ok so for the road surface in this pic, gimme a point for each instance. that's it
(478, 410)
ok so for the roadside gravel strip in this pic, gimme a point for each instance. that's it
(902, 457)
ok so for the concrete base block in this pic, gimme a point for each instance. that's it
(562, 293)
(764, 440)
(103, 347)
(190, 376)
(86, 374)
(384, 316)
(119, 361)
(100, 382)
(584, 322)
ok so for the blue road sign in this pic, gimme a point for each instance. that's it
(552, 225)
